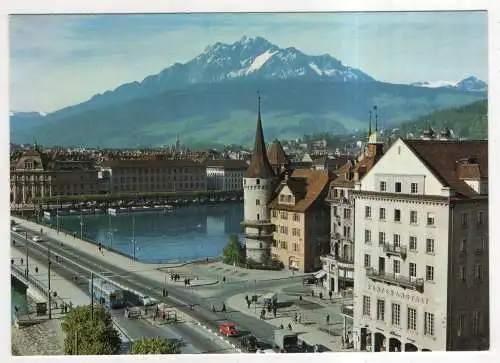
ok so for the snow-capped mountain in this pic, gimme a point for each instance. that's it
(469, 84)
(472, 84)
(247, 58)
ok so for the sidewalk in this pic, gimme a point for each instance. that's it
(313, 319)
(149, 271)
(64, 288)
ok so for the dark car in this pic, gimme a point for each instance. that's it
(309, 280)
(249, 343)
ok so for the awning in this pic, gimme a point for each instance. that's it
(320, 274)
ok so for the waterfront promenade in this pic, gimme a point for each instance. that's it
(202, 286)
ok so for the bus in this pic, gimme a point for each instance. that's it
(109, 295)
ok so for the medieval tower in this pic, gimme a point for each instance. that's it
(258, 186)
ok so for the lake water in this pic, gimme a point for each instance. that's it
(186, 233)
(18, 298)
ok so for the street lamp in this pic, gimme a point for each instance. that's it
(255, 295)
(81, 223)
(27, 249)
(133, 235)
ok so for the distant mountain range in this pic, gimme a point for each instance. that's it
(211, 99)
(469, 84)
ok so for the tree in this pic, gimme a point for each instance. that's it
(87, 336)
(155, 345)
(234, 252)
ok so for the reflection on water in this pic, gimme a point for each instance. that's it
(187, 233)
(18, 298)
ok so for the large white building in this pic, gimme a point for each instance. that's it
(258, 185)
(421, 248)
(226, 175)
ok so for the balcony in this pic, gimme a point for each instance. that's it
(412, 283)
(345, 259)
(258, 235)
(395, 250)
(262, 223)
(479, 252)
(347, 309)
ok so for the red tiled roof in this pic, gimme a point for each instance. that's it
(446, 160)
(313, 187)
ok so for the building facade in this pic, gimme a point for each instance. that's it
(421, 249)
(226, 175)
(338, 265)
(259, 183)
(146, 176)
(301, 219)
(36, 174)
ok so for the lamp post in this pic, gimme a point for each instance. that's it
(81, 223)
(27, 261)
(133, 235)
(255, 295)
(48, 273)
(57, 215)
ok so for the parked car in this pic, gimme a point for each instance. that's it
(16, 228)
(148, 301)
(228, 329)
(37, 239)
(309, 280)
(249, 343)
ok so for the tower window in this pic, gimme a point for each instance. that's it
(257, 202)
(257, 181)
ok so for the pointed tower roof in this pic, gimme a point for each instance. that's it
(276, 154)
(259, 165)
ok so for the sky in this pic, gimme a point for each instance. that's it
(61, 60)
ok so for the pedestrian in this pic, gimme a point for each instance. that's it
(281, 326)
(321, 296)
(275, 310)
(11, 261)
(295, 317)
(22, 261)
(36, 269)
(327, 319)
(289, 326)
(312, 293)
(343, 341)
(300, 318)
(330, 293)
(223, 308)
(248, 303)
(224, 279)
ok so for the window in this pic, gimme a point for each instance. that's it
(396, 314)
(476, 323)
(462, 273)
(284, 215)
(295, 247)
(396, 267)
(368, 236)
(381, 214)
(414, 188)
(478, 272)
(413, 243)
(429, 245)
(412, 319)
(429, 273)
(367, 261)
(480, 218)
(296, 217)
(429, 324)
(397, 187)
(257, 181)
(413, 217)
(383, 186)
(463, 245)
(412, 269)
(335, 211)
(396, 239)
(368, 212)
(380, 309)
(274, 213)
(430, 219)
(284, 245)
(347, 213)
(366, 305)
(257, 202)
(464, 218)
(461, 324)
(381, 238)
(397, 215)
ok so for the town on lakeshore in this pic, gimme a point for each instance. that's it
(344, 231)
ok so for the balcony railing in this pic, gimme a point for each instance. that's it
(405, 282)
(347, 309)
(257, 223)
(342, 259)
(258, 235)
(391, 249)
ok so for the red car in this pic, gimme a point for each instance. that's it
(228, 329)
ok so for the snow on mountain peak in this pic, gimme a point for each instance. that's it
(316, 69)
(260, 60)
